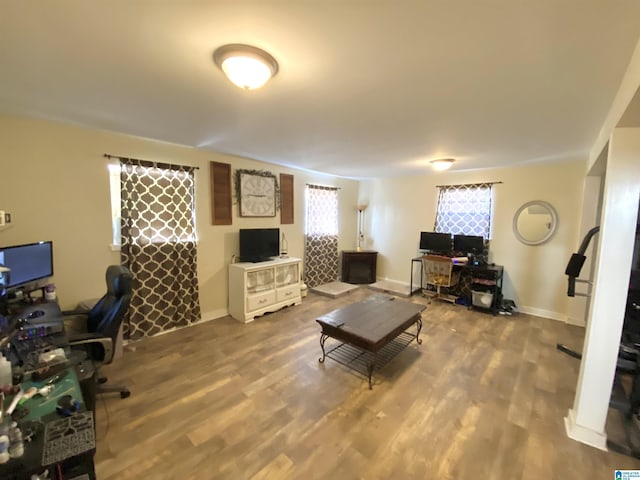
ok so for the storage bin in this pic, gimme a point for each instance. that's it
(481, 299)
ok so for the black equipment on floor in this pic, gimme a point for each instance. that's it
(625, 395)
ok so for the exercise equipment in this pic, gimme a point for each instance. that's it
(625, 394)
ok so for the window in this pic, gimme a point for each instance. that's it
(157, 202)
(322, 210)
(164, 225)
(321, 235)
(114, 184)
(465, 210)
(159, 245)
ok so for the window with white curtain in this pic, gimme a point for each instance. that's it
(465, 209)
(163, 225)
(322, 210)
(321, 235)
(116, 216)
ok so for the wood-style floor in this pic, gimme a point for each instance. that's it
(483, 397)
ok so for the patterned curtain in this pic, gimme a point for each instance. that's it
(158, 246)
(321, 236)
(465, 210)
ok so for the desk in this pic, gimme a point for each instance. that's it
(40, 413)
(486, 280)
(474, 278)
(419, 261)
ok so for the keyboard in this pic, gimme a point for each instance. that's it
(67, 437)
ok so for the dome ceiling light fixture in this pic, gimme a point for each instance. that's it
(442, 164)
(246, 66)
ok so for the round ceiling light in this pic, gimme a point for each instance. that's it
(442, 163)
(246, 66)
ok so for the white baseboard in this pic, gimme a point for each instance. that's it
(584, 435)
(390, 280)
(578, 322)
(213, 315)
(540, 312)
(537, 312)
(206, 317)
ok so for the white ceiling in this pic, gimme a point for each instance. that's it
(366, 88)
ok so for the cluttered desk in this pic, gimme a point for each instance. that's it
(47, 390)
(47, 420)
(471, 280)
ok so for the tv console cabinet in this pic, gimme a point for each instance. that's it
(258, 288)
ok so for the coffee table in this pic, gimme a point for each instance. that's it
(372, 332)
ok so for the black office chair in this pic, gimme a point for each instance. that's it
(97, 330)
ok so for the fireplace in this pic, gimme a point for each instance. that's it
(359, 267)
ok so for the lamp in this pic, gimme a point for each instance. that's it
(284, 247)
(361, 209)
(246, 66)
(442, 164)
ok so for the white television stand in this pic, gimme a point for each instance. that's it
(258, 288)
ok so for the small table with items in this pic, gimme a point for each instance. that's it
(372, 332)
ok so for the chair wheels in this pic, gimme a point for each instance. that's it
(125, 394)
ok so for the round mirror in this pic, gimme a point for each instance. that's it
(535, 222)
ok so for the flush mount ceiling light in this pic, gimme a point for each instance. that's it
(246, 66)
(442, 163)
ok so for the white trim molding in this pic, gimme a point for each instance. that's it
(583, 434)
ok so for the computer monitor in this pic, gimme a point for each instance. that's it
(468, 244)
(27, 263)
(435, 242)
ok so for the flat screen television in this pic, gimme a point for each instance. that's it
(28, 263)
(468, 244)
(259, 244)
(435, 242)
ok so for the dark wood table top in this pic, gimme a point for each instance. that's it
(371, 323)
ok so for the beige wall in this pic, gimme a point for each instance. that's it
(399, 208)
(54, 181)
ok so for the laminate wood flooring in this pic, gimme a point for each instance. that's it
(483, 397)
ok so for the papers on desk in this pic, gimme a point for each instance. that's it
(51, 357)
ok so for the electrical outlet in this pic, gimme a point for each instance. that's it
(7, 217)
(2, 218)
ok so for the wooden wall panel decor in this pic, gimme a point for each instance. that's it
(286, 198)
(220, 193)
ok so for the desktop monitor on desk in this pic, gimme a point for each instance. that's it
(468, 244)
(435, 242)
(4, 282)
(27, 263)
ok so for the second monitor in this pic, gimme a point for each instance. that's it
(468, 244)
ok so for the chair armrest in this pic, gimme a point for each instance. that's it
(84, 337)
(100, 347)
